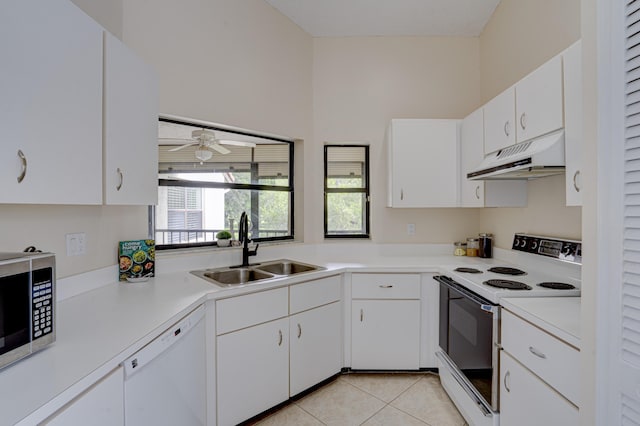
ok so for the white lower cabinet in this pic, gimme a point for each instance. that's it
(253, 370)
(315, 346)
(525, 400)
(385, 321)
(274, 344)
(101, 404)
(539, 375)
(385, 334)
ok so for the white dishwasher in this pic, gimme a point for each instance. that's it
(165, 382)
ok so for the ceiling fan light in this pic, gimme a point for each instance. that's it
(203, 154)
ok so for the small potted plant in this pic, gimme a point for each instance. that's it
(223, 238)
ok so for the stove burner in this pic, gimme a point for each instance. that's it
(468, 270)
(512, 285)
(557, 286)
(506, 271)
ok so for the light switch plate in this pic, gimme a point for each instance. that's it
(76, 244)
(411, 229)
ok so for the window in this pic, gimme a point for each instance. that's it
(346, 191)
(209, 175)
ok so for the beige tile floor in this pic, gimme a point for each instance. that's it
(392, 399)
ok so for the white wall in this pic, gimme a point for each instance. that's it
(235, 62)
(360, 83)
(107, 12)
(520, 36)
(239, 63)
(242, 63)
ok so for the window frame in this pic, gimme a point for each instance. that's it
(239, 186)
(365, 190)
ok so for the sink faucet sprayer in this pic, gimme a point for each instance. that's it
(243, 236)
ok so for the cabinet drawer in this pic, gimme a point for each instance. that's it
(314, 293)
(244, 311)
(525, 400)
(385, 286)
(551, 359)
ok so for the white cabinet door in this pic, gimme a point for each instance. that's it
(526, 400)
(422, 162)
(539, 101)
(315, 346)
(385, 334)
(499, 121)
(572, 75)
(51, 108)
(101, 405)
(471, 154)
(130, 127)
(477, 193)
(252, 370)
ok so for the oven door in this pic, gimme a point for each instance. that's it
(15, 312)
(468, 338)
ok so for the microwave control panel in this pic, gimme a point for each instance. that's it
(566, 250)
(42, 302)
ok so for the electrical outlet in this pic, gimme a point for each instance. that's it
(76, 244)
(411, 229)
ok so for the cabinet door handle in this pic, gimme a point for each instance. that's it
(507, 128)
(478, 192)
(575, 180)
(506, 377)
(361, 315)
(299, 331)
(385, 286)
(121, 179)
(523, 121)
(23, 160)
(279, 337)
(401, 194)
(537, 352)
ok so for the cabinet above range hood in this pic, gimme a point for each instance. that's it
(540, 157)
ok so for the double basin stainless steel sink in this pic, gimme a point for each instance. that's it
(236, 275)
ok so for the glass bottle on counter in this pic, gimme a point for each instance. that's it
(486, 246)
(473, 247)
(460, 248)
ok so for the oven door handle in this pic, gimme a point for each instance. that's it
(485, 304)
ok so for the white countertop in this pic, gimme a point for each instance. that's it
(98, 329)
(559, 316)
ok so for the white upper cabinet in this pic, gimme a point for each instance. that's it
(572, 63)
(51, 108)
(471, 154)
(130, 127)
(477, 193)
(530, 108)
(499, 121)
(422, 162)
(539, 101)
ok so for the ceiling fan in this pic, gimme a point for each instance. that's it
(207, 142)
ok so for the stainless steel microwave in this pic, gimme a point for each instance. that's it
(27, 304)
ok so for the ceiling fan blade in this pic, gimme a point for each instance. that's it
(166, 140)
(178, 148)
(221, 149)
(235, 143)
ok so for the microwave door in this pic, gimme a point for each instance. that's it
(15, 321)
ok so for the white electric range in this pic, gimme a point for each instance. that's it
(494, 280)
(469, 326)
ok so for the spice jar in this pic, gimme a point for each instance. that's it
(473, 247)
(486, 245)
(460, 248)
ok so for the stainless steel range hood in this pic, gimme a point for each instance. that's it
(540, 157)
